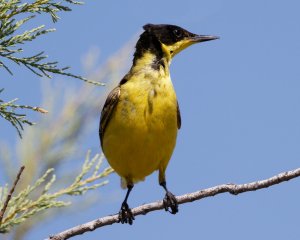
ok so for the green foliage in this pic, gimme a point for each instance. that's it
(7, 111)
(14, 15)
(25, 204)
(10, 39)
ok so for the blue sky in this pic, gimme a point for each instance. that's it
(239, 99)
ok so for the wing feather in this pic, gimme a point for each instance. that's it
(107, 111)
(178, 117)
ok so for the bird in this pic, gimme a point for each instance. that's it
(141, 116)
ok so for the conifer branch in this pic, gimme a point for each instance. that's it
(231, 188)
(8, 112)
(14, 15)
(23, 206)
(8, 197)
(11, 39)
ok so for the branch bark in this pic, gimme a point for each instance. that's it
(234, 189)
(10, 194)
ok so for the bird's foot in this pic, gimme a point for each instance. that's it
(170, 201)
(125, 214)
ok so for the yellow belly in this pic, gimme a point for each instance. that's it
(141, 134)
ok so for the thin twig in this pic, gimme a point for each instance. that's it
(234, 189)
(10, 194)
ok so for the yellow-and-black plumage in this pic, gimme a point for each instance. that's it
(141, 117)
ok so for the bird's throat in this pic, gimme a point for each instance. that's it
(149, 62)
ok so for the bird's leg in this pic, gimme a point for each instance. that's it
(125, 213)
(170, 200)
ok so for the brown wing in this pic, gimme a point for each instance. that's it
(178, 117)
(108, 110)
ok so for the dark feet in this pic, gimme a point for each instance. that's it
(125, 214)
(170, 202)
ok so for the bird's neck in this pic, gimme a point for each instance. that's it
(149, 62)
(151, 55)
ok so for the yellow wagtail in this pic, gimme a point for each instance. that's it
(140, 118)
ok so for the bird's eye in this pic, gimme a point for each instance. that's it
(177, 33)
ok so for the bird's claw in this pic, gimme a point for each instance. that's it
(170, 201)
(125, 214)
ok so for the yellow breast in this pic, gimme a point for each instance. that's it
(141, 134)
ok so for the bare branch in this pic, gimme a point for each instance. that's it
(10, 194)
(234, 189)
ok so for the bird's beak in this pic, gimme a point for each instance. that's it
(188, 41)
(202, 38)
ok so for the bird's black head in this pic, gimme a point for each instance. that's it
(166, 40)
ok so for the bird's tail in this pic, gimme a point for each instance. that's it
(123, 183)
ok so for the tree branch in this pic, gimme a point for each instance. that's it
(10, 194)
(234, 189)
